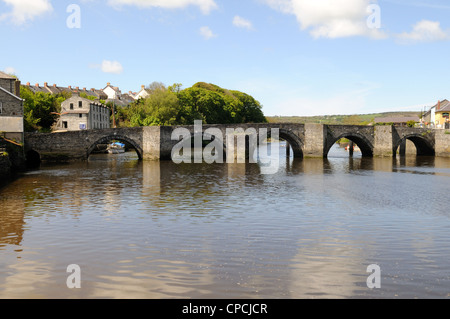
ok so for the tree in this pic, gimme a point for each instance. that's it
(203, 101)
(41, 109)
(159, 108)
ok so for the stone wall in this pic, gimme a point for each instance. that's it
(8, 84)
(442, 143)
(383, 142)
(5, 167)
(314, 140)
(11, 106)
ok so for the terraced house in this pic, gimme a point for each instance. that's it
(11, 108)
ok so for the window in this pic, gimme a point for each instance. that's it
(64, 124)
(81, 115)
(1, 107)
(71, 106)
(446, 115)
(80, 104)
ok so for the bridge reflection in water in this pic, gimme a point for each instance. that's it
(155, 229)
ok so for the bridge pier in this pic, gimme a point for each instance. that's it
(351, 148)
(314, 140)
(383, 141)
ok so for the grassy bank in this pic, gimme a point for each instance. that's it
(358, 119)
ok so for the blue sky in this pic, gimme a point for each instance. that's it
(297, 57)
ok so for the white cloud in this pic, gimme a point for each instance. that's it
(330, 18)
(207, 33)
(425, 31)
(10, 70)
(242, 23)
(111, 67)
(205, 5)
(25, 10)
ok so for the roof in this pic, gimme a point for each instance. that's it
(397, 119)
(444, 106)
(79, 98)
(3, 75)
(115, 88)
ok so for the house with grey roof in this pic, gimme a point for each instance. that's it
(142, 94)
(112, 92)
(438, 115)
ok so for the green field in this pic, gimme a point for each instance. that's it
(359, 119)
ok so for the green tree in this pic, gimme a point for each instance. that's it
(203, 101)
(41, 109)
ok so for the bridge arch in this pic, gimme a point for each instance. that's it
(108, 138)
(32, 158)
(423, 146)
(294, 141)
(363, 143)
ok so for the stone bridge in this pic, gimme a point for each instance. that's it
(306, 140)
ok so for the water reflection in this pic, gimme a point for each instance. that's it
(162, 230)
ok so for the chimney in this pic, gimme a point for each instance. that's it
(77, 88)
(142, 86)
(36, 85)
(28, 83)
(70, 87)
(84, 89)
(54, 85)
(438, 106)
(45, 84)
(17, 91)
(108, 84)
(92, 90)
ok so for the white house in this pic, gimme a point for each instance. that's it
(112, 92)
(143, 93)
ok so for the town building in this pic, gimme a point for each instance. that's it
(112, 92)
(142, 94)
(11, 109)
(438, 115)
(442, 114)
(78, 113)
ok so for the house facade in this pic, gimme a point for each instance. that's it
(442, 114)
(438, 115)
(79, 113)
(11, 109)
(142, 94)
(112, 92)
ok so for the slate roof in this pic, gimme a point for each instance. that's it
(397, 119)
(3, 75)
(444, 106)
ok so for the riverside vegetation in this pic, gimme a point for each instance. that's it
(164, 106)
(173, 105)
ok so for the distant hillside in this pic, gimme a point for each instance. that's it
(359, 119)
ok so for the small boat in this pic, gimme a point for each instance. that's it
(355, 148)
(116, 148)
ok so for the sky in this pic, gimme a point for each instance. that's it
(296, 57)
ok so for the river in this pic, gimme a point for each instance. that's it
(161, 230)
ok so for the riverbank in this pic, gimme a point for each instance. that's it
(5, 167)
(12, 162)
